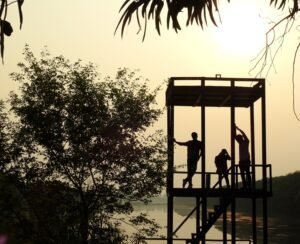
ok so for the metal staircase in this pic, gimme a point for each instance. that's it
(212, 218)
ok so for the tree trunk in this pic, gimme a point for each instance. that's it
(84, 227)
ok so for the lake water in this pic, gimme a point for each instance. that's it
(281, 230)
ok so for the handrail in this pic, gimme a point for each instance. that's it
(236, 165)
(237, 173)
(221, 178)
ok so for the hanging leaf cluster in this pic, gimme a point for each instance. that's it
(281, 4)
(5, 26)
(198, 11)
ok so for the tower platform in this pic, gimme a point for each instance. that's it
(222, 95)
(219, 192)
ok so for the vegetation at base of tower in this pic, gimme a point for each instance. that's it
(78, 154)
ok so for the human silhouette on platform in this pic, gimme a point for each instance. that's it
(244, 162)
(194, 151)
(221, 164)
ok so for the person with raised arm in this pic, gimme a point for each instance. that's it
(244, 162)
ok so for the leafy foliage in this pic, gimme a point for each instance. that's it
(40, 212)
(87, 138)
(198, 11)
(5, 129)
(5, 26)
(147, 9)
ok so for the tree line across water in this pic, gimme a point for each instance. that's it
(284, 202)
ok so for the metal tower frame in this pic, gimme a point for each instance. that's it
(225, 92)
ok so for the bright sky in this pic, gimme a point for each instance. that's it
(85, 30)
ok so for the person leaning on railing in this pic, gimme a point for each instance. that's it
(194, 148)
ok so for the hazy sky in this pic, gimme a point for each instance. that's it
(84, 30)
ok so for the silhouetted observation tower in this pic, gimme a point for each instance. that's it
(232, 93)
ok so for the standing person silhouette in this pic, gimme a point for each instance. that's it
(194, 152)
(221, 164)
(244, 162)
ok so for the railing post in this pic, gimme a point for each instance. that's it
(253, 175)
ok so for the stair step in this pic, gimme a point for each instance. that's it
(216, 208)
(223, 201)
(211, 215)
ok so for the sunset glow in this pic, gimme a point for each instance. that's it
(242, 30)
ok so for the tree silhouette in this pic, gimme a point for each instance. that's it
(90, 137)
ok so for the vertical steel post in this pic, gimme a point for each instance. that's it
(264, 162)
(204, 200)
(252, 129)
(233, 131)
(170, 173)
(225, 227)
(198, 215)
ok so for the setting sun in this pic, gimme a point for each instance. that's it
(242, 30)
